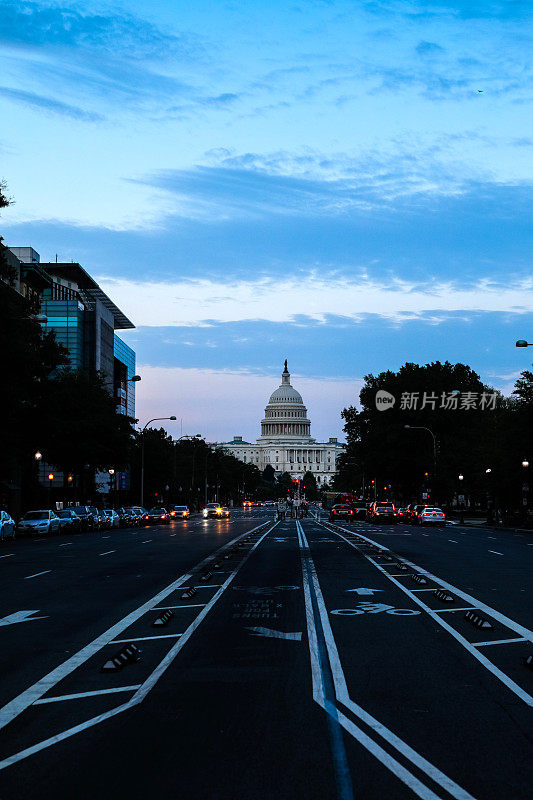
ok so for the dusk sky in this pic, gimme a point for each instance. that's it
(347, 185)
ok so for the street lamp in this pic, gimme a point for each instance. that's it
(523, 343)
(134, 378)
(423, 428)
(38, 455)
(154, 419)
(111, 476)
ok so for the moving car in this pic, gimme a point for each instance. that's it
(341, 511)
(111, 518)
(127, 517)
(39, 522)
(225, 511)
(179, 512)
(7, 525)
(69, 521)
(383, 512)
(157, 514)
(212, 510)
(431, 516)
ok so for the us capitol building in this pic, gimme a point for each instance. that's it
(285, 442)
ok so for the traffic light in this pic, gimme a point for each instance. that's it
(426, 474)
(70, 479)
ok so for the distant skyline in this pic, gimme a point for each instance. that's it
(344, 184)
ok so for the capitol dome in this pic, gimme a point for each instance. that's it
(285, 415)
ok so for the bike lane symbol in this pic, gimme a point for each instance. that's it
(374, 608)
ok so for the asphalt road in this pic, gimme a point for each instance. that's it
(310, 661)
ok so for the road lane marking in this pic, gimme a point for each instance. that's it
(16, 706)
(6, 555)
(37, 574)
(498, 641)
(146, 638)
(65, 544)
(107, 552)
(454, 541)
(77, 695)
(146, 541)
(492, 668)
(185, 605)
(496, 553)
(270, 633)
(444, 610)
(312, 592)
(20, 616)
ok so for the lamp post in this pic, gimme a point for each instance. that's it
(111, 481)
(461, 512)
(434, 438)
(523, 343)
(154, 419)
(525, 490)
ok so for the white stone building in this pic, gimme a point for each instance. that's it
(285, 442)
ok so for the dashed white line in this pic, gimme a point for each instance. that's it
(146, 541)
(107, 552)
(6, 555)
(496, 553)
(498, 641)
(37, 574)
(65, 544)
(454, 541)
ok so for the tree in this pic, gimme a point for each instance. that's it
(380, 448)
(80, 429)
(285, 484)
(309, 486)
(269, 474)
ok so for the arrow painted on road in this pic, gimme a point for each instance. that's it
(362, 590)
(272, 634)
(20, 616)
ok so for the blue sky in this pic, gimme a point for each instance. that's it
(251, 181)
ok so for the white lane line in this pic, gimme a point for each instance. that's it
(444, 610)
(342, 695)
(172, 534)
(107, 552)
(496, 553)
(37, 574)
(35, 692)
(6, 555)
(146, 638)
(208, 586)
(106, 537)
(77, 695)
(492, 668)
(454, 541)
(146, 541)
(65, 544)
(185, 605)
(498, 641)
(492, 537)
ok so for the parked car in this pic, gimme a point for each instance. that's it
(69, 521)
(179, 512)
(44, 521)
(7, 526)
(157, 514)
(341, 511)
(111, 518)
(432, 516)
(212, 510)
(86, 517)
(100, 521)
(126, 517)
(138, 513)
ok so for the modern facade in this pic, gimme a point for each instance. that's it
(285, 442)
(84, 320)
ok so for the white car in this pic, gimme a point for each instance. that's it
(111, 518)
(433, 516)
(7, 525)
(44, 521)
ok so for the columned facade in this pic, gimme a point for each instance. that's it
(285, 442)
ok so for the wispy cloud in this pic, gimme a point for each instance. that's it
(311, 298)
(49, 104)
